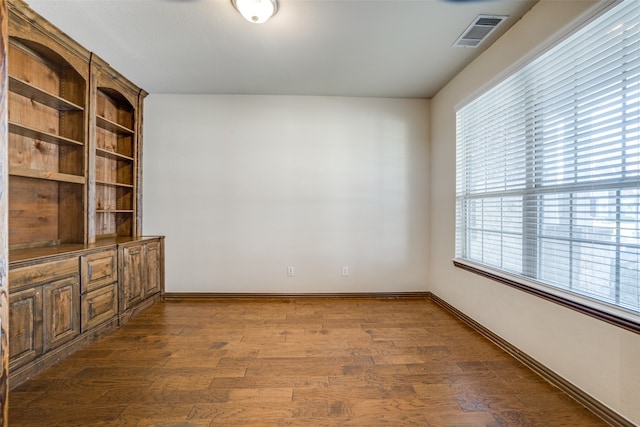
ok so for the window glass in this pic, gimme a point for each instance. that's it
(548, 166)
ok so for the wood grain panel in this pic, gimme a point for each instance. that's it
(32, 67)
(61, 319)
(33, 211)
(42, 273)
(73, 87)
(114, 107)
(4, 224)
(98, 269)
(105, 225)
(99, 306)
(33, 153)
(106, 170)
(153, 257)
(25, 319)
(71, 213)
(132, 273)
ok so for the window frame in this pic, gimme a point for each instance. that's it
(602, 310)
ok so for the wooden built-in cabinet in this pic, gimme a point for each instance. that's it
(133, 271)
(154, 256)
(78, 264)
(43, 308)
(25, 320)
(60, 299)
(142, 272)
(99, 287)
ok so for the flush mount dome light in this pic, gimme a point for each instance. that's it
(256, 11)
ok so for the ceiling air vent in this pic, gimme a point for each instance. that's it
(479, 29)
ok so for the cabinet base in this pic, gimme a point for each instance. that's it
(23, 373)
(19, 375)
(131, 312)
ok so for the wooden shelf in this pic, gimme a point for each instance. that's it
(38, 95)
(113, 126)
(113, 211)
(47, 175)
(19, 129)
(114, 184)
(113, 154)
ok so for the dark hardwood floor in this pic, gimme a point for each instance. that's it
(311, 362)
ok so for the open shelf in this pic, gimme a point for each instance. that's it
(29, 132)
(51, 176)
(110, 197)
(27, 90)
(43, 212)
(46, 145)
(114, 184)
(112, 154)
(114, 224)
(114, 127)
(73, 143)
(115, 160)
(114, 170)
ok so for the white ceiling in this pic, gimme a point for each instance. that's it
(377, 48)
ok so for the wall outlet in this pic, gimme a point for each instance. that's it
(290, 272)
(345, 271)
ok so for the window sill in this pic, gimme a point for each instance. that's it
(574, 303)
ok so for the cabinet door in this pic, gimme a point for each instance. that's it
(99, 306)
(133, 272)
(61, 311)
(25, 326)
(152, 283)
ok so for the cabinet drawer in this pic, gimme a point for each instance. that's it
(97, 270)
(40, 274)
(99, 306)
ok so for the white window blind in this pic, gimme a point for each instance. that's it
(548, 166)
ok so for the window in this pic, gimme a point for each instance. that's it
(548, 169)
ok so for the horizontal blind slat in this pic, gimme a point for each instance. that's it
(548, 165)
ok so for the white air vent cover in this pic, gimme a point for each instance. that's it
(479, 29)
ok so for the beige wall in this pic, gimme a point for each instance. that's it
(599, 358)
(245, 186)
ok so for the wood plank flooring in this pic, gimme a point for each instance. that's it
(297, 362)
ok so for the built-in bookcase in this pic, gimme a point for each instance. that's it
(74, 137)
(47, 146)
(78, 265)
(115, 164)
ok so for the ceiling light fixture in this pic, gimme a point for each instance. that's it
(256, 11)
